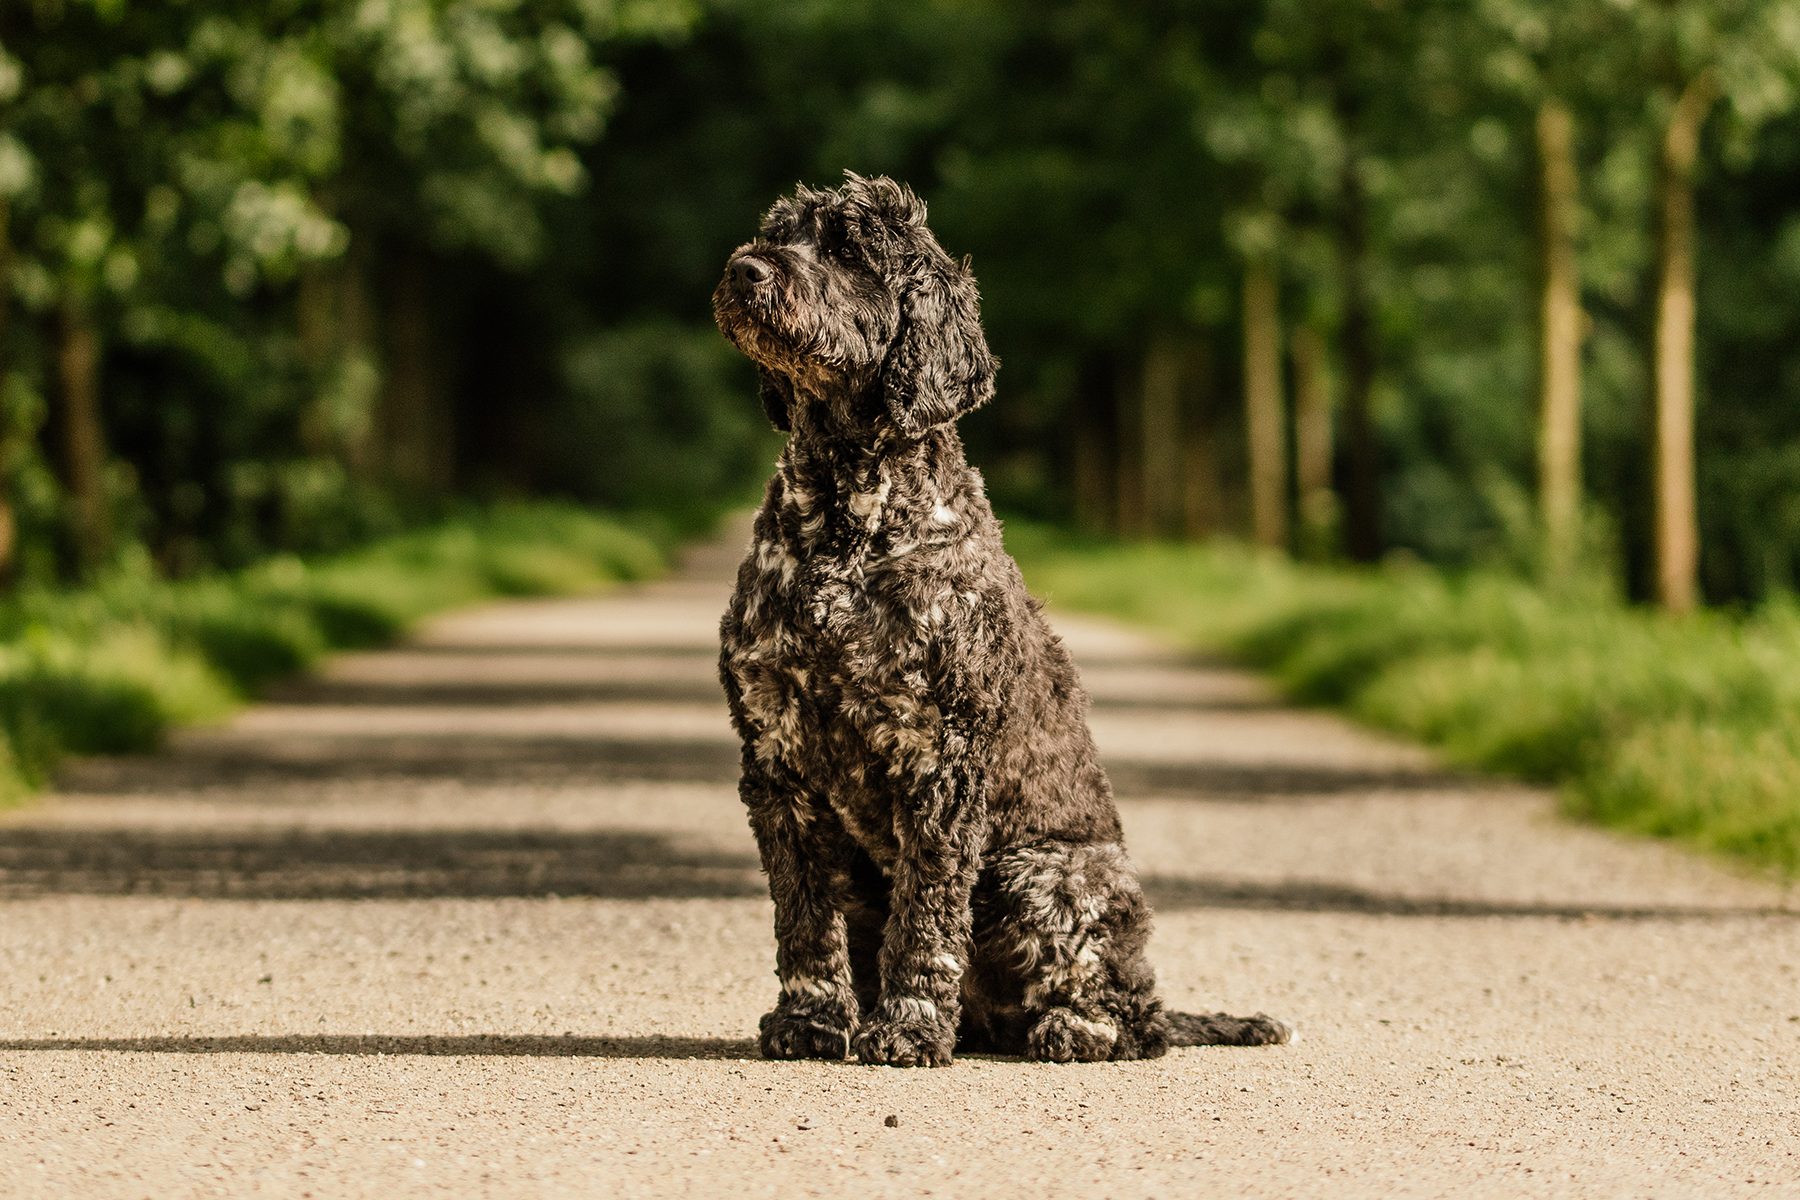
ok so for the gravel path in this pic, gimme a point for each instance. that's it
(480, 916)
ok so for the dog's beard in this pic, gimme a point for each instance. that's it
(765, 342)
(750, 328)
(734, 320)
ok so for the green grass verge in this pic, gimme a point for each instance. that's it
(1678, 727)
(108, 669)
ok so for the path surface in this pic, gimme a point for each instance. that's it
(480, 916)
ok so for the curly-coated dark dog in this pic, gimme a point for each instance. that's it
(942, 845)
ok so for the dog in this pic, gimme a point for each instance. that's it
(942, 846)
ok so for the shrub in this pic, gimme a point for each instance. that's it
(1680, 727)
(108, 669)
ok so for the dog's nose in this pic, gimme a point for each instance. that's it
(750, 271)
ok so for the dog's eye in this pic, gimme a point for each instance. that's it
(841, 249)
(835, 243)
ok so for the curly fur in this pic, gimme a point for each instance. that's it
(942, 846)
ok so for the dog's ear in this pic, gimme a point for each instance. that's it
(777, 396)
(938, 367)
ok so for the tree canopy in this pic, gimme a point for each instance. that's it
(275, 276)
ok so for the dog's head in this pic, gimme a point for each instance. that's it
(859, 323)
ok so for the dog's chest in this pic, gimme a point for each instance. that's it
(830, 667)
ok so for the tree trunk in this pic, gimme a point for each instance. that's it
(1128, 473)
(9, 524)
(356, 319)
(1559, 435)
(1677, 525)
(1265, 422)
(321, 337)
(415, 420)
(81, 438)
(316, 324)
(1161, 434)
(1202, 500)
(1362, 491)
(5, 274)
(1094, 425)
(1312, 442)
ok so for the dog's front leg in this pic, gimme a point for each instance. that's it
(805, 853)
(925, 947)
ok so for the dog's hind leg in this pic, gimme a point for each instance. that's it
(1059, 945)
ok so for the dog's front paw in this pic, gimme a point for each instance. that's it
(905, 1042)
(805, 1033)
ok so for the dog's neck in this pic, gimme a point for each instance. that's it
(842, 493)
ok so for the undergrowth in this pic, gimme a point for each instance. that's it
(109, 668)
(1680, 727)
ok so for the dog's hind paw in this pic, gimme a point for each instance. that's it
(803, 1035)
(1061, 1035)
(905, 1043)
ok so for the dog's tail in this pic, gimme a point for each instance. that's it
(1222, 1029)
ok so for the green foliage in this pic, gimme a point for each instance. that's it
(271, 221)
(1109, 170)
(345, 259)
(107, 669)
(639, 398)
(1677, 727)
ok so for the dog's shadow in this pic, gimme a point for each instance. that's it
(502, 1045)
(483, 1045)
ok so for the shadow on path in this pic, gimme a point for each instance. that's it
(674, 687)
(695, 652)
(379, 864)
(500, 693)
(242, 767)
(1145, 778)
(1169, 893)
(351, 864)
(501, 1045)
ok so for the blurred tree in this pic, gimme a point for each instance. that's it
(459, 119)
(1316, 502)
(270, 273)
(1265, 418)
(1559, 438)
(1357, 62)
(273, 219)
(148, 204)
(1677, 523)
(1545, 61)
(1747, 52)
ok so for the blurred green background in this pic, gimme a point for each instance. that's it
(281, 276)
(1496, 291)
